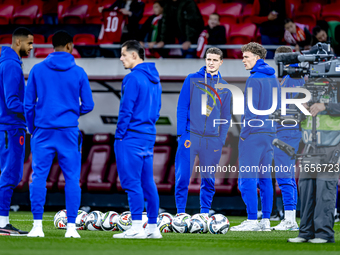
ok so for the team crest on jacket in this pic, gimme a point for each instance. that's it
(187, 144)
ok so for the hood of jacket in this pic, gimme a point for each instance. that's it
(149, 70)
(262, 67)
(8, 53)
(60, 60)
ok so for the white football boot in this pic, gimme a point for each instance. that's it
(265, 225)
(247, 225)
(155, 234)
(317, 240)
(71, 231)
(132, 234)
(297, 240)
(36, 231)
(286, 225)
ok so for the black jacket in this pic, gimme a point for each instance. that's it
(217, 35)
(181, 19)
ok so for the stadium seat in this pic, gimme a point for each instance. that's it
(6, 13)
(308, 14)
(246, 13)
(27, 171)
(84, 39)
(6, 39)
(26, 14)
(49, 39)
(38, 39)
(93, 16)
(229, 12)
(148, 11)
(227, 30)
(43, 52)
(240, 34)
(75, 14)
(95, 167)
(62, 6)
(206, 9)
(109, 182)
(331, 12)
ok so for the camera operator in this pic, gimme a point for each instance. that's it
(291, 135)
(319, 175)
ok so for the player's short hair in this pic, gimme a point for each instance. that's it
(133, 45)
(255, 48)
(22, 31)
(160, 2)
(61, 38)
(284, 49)
(214, 50)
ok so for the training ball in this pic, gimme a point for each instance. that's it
(125, 221)
(93, 220)
(198, 224)
(181, 223)
(80, 220)
(144, 219)
(218, 224)
(164, 222)
(110, 221)
(60, 219)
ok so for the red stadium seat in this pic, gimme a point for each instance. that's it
(148, 11)
(227, 30)
(6, 13)
(109, 183)
(38, 39)
(44, 52)
(96, 165)
(27, 171)
(49, 39)
(26, 15)
(75, 14)
(93, 16)
(308, 14)
(229, 12)
(240, 34)
(84, 39)
(206, 9)
(331, 12)
(245, 17)
(62, 6)
(6, 39)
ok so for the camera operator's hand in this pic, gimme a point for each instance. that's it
(316, 108)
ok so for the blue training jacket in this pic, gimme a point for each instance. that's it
(140, 103)
(189, 115)
(262, 81)
(53, 90)
(12, 90)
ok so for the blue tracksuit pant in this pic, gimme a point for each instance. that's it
(255, 160)
(209, 150)
(134, 157)
(12, 156)
(66, 143)
(286, 176)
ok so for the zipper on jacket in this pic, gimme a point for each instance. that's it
(6, 139)
(206, 117)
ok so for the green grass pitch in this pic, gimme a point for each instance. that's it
(101, 243)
